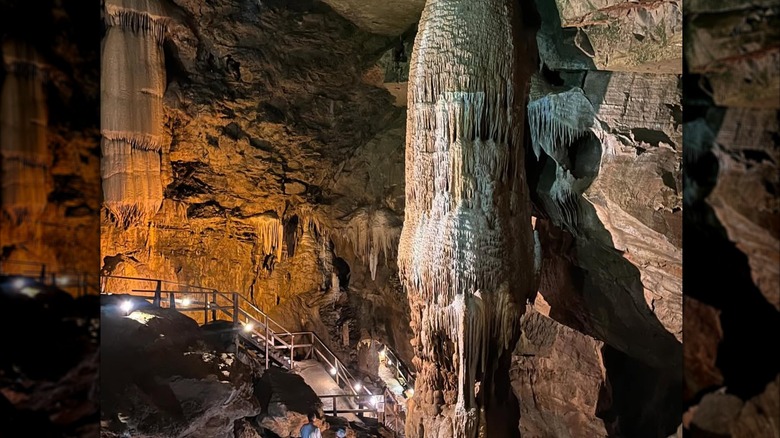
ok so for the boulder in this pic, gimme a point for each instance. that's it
(286, 401)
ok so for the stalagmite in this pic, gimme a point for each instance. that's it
(132, 87)
(466, 250)
(24, 151)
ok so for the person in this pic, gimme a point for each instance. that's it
(310, 430)
(341, 433)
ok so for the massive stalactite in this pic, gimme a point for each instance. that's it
(132, 87)
(466, 249)
(23, 147)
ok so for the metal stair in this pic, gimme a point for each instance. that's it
(266, 341)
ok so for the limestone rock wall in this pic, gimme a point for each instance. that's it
(732, 216)
(283, 180)
(64, 233)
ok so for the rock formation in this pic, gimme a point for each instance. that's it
(160, 378)
(132, 86)
(49, 155)
(25, 152)
(285, 182)
(551, 360)
(465, 254)
(732, 216)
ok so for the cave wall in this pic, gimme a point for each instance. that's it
(283, 179)
(281, 167)
(64, 235)
(731, 218)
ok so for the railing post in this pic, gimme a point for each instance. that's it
(205, 308)
(236, 326)
(158, 294)
(292, 350)
(235, 310)
(172, 298)
(213, 303)
(53, 278)
(267, 359)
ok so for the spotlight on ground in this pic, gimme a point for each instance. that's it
(248, 327)
(126, 306)
(19, 283)
(333, 371)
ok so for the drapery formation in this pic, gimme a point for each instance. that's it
(466, 249)
(131, 107)
(23, 148)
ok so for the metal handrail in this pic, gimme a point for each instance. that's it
(271, 338)
(52, 278)
(156, 280)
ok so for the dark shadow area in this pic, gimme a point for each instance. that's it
(342, 271)
(635, 386)
(716, 272)
(49, 360)
(291, 235)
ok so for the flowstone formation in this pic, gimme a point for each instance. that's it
(465, 254)
(25, 153)
(49, 139)
(132, 86)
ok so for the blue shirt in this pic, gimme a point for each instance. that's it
(307, 430)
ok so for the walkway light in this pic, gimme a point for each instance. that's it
(186, 302)
(333, 371)
(19, 283)
(126, 306)
(357, 386)
(248, 327)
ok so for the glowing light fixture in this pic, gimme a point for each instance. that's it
(382, 354)
(357, 386)
(333, 371)
(410, 391)
(186, 302)
(248, 327)
(126, 306)
(389, 361)
(19, 283)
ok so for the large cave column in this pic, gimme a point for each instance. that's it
(132, 87)
(466, 249)
(24, 151)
